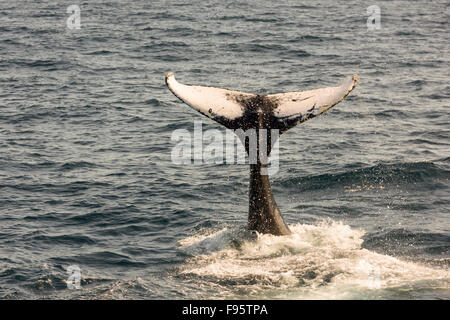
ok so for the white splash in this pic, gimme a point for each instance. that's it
(316, 261)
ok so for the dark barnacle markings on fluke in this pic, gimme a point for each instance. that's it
(298, 100)
(240, 110)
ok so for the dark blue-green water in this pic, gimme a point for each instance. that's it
(86, 176)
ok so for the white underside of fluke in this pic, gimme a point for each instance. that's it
(295, 103)
(208, 100)
(214, 102)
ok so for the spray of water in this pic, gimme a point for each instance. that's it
(325, 260)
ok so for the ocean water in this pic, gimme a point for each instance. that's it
(86, 177)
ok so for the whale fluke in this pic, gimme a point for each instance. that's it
(296, 107)
(215, 103)
(234, 109)
(241, 110)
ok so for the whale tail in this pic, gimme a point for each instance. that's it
(241, 110)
